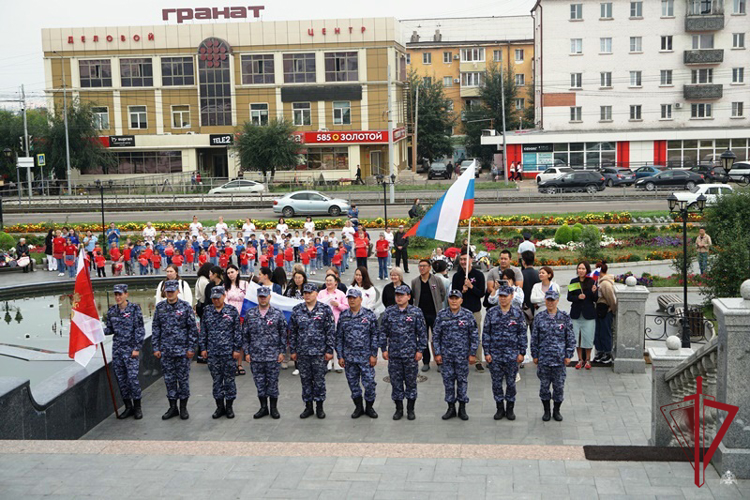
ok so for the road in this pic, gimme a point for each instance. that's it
(364, 212)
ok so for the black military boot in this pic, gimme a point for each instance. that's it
(556, 411)
(358, 409)
(263, 408)
(399, 410)
(274, 410)
(410, 409)
(509, 411)
(546, 416)
(462, 411)
(128, 409)
(220, 409)
(172, 411)
(308, 410)
(230, 410)
(137, 412)
(184, 415)
(451, 412)
(369, 410)
(500, 413)
(319, 410)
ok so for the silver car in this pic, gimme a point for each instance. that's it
(239, 186)
(308, 203)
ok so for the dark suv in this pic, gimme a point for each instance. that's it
(712, 174)
(581, 180)
(438, 169)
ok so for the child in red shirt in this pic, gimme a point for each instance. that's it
(223, 261)
(114, 253)
(169, 252)
(264, 260)
(251, 253)
(381, 251)
(143, 261)
(101, 272)
(244, 259)
(337, 260)
(177, 259)
(288, 258)
(190, 257)
(202, 257)
(313, 253)
(304, 256)
(69, 256)
(156, 262)
(212, 252)
(280, 260)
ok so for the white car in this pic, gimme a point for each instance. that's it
(239, 186)
(710, 191)
(553, 173)
(740, 172)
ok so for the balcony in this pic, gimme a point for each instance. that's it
(703, 92)
(705, 56)
(713, 22)
(469, 91)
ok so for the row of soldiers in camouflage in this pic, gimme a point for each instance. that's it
(313, 335)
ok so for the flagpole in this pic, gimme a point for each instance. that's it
(109, 380)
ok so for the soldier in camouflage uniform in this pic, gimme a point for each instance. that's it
(265, 333)
(552, 346)
(174, 335)
(220, 341)
(125, 322)
(504, 346)
(403, 338)
(357, 338)
(455, 339)
(312, 334)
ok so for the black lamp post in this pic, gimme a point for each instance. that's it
(100, 187)
(727, 160)
(8, 155)
(682, 208)
(384, 181)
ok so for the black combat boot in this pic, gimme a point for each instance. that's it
(556, 411)
(274, 410)
(451, 412)
(220, 409)
(263, 408)
(308, 410)
(184, 415)
(358, 409)
(230, 410)
(399, 410)
(462, 411)
(369, 410)
(172, 411)
(546, 416)
(128, 409)
(137, 412)
(410, 409)
(500, 413)
(319, 410)
(509, 411)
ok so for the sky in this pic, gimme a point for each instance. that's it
(21, 58)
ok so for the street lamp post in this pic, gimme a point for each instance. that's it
(382, 180)
(681, 207)
(8, 155)
(727, 162)
(100, 187)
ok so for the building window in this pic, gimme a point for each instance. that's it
(497, 55)
(666, 77)
(576, 46)
(667, 8)
(738, 110)
(299, 68)
(472, 55)
(95, 73)
(738, 75)
(575, 113)
(519, 55)
(635, 78)
(703, 42)
(605, 113)
(136, 72)
(605, 45)
(215, 83)
(738, 40)
(100, 117)
(666, 43)
(704, 7)
(701, 111)
(576, 11)
(342, 113)
(325, 159)
(342, 67)
(635, 112)
(698, 76)
(606, 10)
(259, 114)
(636, 9)
(606, 79)
(138, 118)
(447, 81)
(520, 80)
(301, 114)
(426, 58)
(666, 111)
(177, 71)
(636, 44)
(257, 69)
(739, 7)
(427, 80)
(447, 57)
(519, 104)
(576, 80)
(181, 116)
(408, 58)
(474, 79)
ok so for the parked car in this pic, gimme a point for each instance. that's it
(670, 179)
(552, 173)
(710, 191)
(465, 164)
(711, 174)
(438, 169)
(648, 171)
(239, 187)
(585, 180)
(616, 176)
(309, 202)
(740, 172)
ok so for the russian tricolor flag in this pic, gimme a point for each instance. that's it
(441, 222)
(285, 304)
(594, 275)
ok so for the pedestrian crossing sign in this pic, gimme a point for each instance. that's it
(41, 160)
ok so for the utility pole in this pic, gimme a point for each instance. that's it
(414, 133)
(29, 174)
(502, 106)
(65, 119)
(390, 136)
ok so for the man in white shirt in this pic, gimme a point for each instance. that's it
(221, 228)
(195, 226)
(527, 245)
(149, 233)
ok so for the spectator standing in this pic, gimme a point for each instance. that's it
(526, 245)
(336, 300)
(429, 295)
(282, 227)
(703, 244)
(113, 235)
(58, 252)
(440, 268)
(401, 241)
(389, 291)
(265, 276)
(582, 294)
(294, 288)
(222, 229)
(539, 289)
(606, 307)
(530, 279)
(89, 242)
(149, 233)
(309, 226)
(382, 251)
(183, 292)
(415, 210)
(471, 283)
(361, 248)
(235, 296)
(363, 283)
(248, 229)
(51, 262)
(200, 287)
(195, 226)
(389, 237)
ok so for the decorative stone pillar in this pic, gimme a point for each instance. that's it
(663, 359)
(631, 323)
(733, 382)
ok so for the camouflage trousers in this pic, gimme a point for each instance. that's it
(503, 371)
(455, 379)
(554, 375)
(312, 374)
(403, 373)
(125, 367)
(223, 370)
(356, 372)
(266, 377)
(176, 376)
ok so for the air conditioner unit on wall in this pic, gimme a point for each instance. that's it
(456, 57)
(456, 80)
(678, 105)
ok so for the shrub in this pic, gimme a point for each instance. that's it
(418, 241)
(576, 233)
(563, 235)
(7, 241)
(591, 238)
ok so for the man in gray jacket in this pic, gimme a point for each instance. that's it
(429, 296)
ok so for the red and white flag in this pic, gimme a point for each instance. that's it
(86, 330)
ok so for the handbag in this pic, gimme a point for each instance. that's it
(23, 261)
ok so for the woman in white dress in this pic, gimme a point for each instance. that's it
(539, 289)
(183, 293)
(363, 283)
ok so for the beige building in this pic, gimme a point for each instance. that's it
(170, 98)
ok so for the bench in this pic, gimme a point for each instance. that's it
(668, 302)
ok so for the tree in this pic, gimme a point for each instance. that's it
(528, 120)
(268, 148)
(11, 131)
(435, 117)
